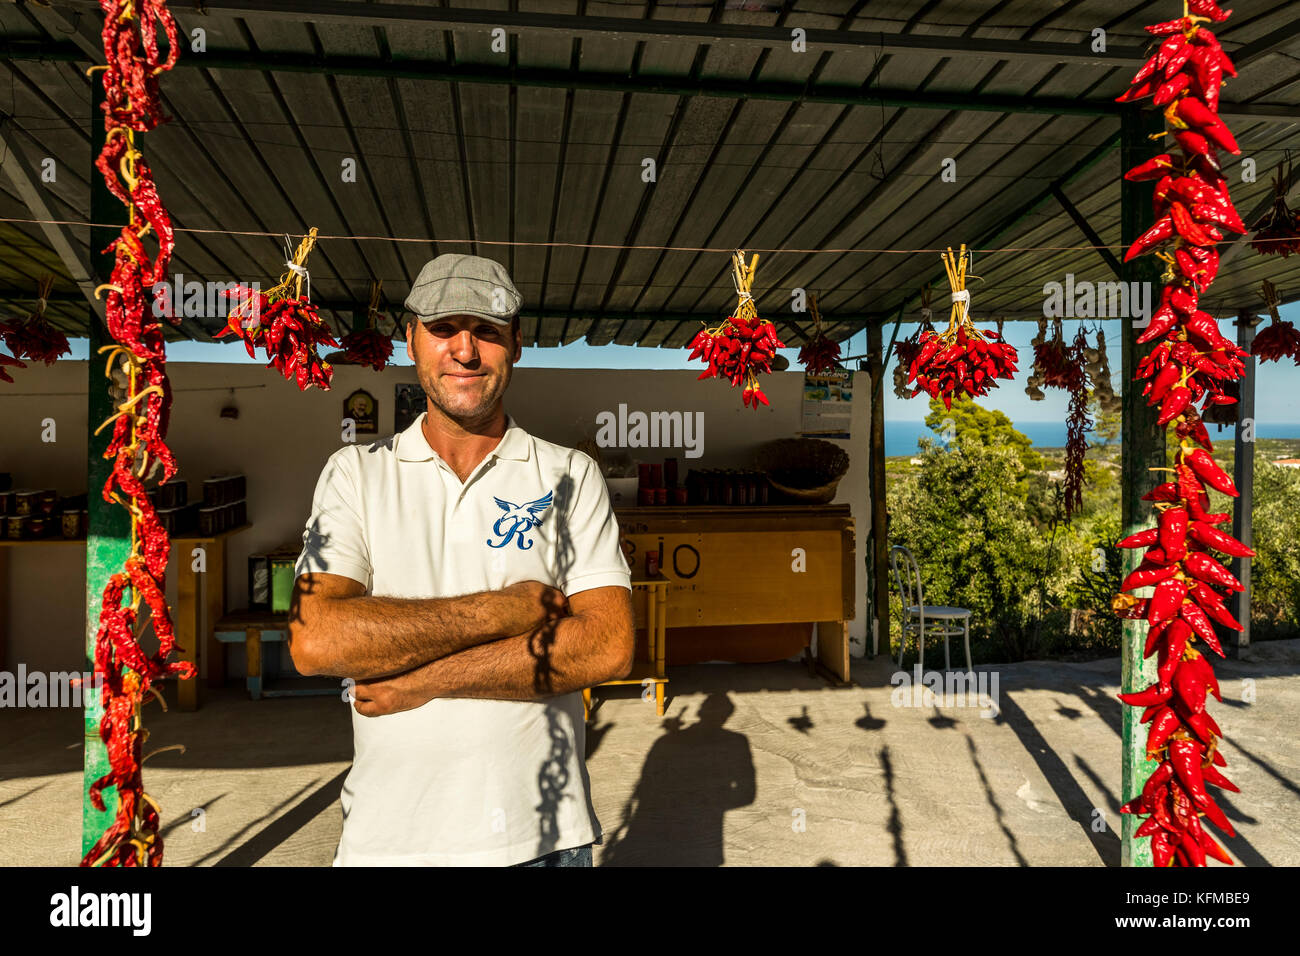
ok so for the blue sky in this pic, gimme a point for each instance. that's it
(1277, 397)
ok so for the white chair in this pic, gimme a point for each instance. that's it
(920, 618)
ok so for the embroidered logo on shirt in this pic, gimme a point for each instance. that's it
(518, 520)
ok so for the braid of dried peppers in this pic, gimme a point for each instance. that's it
(1189, 365)
(137, 447)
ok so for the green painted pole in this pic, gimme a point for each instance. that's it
(109, 539)
(1142, 446)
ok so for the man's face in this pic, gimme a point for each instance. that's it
(464, 364)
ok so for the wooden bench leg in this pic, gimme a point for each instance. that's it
(586, 702)
(659, 698)
(253, 661)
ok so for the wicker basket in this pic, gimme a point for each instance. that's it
(806, 470)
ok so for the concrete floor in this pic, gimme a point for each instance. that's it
(752, 765)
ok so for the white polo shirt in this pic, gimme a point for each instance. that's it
(465, 781)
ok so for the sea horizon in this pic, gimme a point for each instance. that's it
(901, 436)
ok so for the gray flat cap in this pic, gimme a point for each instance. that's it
(457, 284)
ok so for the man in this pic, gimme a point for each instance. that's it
(468, 577)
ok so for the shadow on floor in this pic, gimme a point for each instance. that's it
(691, 777)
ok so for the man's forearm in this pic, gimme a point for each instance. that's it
(557, 659)
(369, 637)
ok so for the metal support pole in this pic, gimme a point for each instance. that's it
(1244, 478)
(879, 567)
(108, 542)
(1142, 448)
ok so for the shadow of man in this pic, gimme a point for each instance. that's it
(689, 781)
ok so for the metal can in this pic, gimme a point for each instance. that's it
(652, 564)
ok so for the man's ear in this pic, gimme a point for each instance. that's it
(410, 330)
(519, 344)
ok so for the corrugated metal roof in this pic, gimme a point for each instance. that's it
(453, 139)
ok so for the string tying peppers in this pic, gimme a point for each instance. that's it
(743, 344)
(1189, 365)
(962, 360)
(137, 447)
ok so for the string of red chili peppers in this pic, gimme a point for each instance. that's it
(137, 446)
(284, 323)
(1189, 364)
(743, 344)
(962, 360)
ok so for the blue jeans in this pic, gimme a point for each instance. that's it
(577, 856)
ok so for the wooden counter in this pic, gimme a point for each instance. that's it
(734, 565)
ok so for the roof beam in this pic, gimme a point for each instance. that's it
(25, 180)
(1265, 44)
(844, 94)
(635, 28)
(1085, 227)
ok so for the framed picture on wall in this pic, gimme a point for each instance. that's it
(408, 403)
(362, 409)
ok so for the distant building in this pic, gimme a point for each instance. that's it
(1287, 462)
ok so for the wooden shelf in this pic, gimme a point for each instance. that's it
(187, 537)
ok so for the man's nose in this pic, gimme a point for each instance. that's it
(463, 347)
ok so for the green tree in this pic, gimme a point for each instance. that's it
(990, 426)
(1275, 569)
(975, 544)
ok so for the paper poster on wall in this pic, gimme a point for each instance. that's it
(827, 404)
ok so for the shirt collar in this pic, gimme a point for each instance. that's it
(413, 446)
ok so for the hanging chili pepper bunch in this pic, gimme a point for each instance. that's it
(962, 360)
(743, 344)
(1056, 364)
(137, 446)
(1188, 365)
(819, 354)
(367, 346)
(1077, 425)
(33, 337)
(286, 324)
(907, 350)
(1278, 232)
(1279, 339)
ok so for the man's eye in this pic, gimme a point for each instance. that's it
(488, 331)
